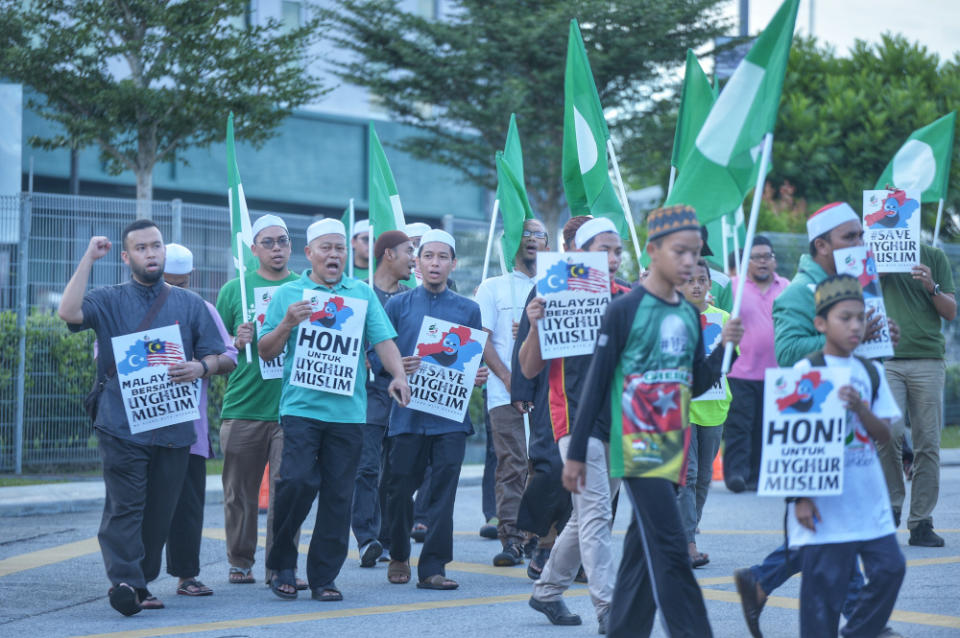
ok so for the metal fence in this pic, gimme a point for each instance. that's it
(45, 370)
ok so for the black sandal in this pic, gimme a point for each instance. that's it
(123, 598)
(284, 577)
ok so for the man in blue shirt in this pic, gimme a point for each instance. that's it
(418, 438)
(321, 430)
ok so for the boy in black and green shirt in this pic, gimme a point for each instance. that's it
(650, 359)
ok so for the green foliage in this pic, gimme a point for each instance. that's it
(144, 79)
(842, 118)
(488, 58)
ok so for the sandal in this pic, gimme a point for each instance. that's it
(241, 576)
(329, 594)
(699, 560)
(193, 587)
(301, 584)
(281, 578)
(419, 532)
(148, 600)
(437, 581)
(123, 598)
(398, 572)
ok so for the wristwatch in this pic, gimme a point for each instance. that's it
(936, 290)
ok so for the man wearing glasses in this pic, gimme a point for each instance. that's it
(741, 458)
(501, 301)
(250, 434)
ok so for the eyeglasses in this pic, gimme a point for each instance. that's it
(762, 257)
(539, 234)
(269, 242)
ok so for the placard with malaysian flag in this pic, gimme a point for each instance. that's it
(576, 290)
(150, 399)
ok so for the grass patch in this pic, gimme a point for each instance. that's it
(16, 481)
(950, 437)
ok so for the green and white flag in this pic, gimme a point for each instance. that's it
(586, 175)
(386, 213)
(696, 98)
(923, 162)
(723, 163)
(239, 216)
(514, 204)
(347, 219)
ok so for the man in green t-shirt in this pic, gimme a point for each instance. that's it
(918, 300)
(250, 434)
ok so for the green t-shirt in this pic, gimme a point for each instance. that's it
(712, 412)
(360, 273)
(911, 306)
(249, 396)
(316, 404)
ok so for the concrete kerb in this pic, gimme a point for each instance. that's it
(83, 496)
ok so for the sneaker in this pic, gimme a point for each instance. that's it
(511, 556)
(924, 536)
(556, 611)
(489, 529)
(370, 552)
(736, 484)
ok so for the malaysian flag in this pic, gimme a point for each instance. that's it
(163, 353)
(580, 277)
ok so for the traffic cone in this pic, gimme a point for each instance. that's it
(718, 467)
(264, 499)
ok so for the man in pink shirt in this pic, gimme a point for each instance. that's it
(742, 429)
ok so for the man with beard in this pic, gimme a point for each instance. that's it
(321, 430)
(143, 472)
(393, 251)
(501, 301)
(744, 424)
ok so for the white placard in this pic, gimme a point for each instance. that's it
(804, 425)
(576, 290)
(450, 356)
(711, 323)
(891, 226)
(329, 343)
(272, 369)
(150, 399)
(859, 262)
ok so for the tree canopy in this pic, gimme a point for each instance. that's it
(144, 79)
(458, 78)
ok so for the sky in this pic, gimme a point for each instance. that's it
(935, 23)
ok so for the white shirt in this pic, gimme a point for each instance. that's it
(862, 512)
(500, 305)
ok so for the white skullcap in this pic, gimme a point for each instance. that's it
(266, 222)
(435, 234)
(828, 218)
(591, 229)
(327, 226)
(360, 227)
(179, 260)
(417, 229)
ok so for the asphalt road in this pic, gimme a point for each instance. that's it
(52, 583)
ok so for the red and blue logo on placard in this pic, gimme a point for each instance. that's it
(896, 210)
(808, 395)
(332, 314)
(454, 350)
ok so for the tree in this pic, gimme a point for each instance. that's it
(842, 118)
(458, 79)
(144, 79)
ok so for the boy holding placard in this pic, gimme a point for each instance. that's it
(835, 530)
(707, 414)
(433, 429)
(649, 361)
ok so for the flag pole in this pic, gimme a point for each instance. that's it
(493, 227)
(241, 267)
(936, 228)
(350, 230)
(626, 205)
(736, 238)
(748, 242)
(723, 245)
(371, 260)
(673, 178)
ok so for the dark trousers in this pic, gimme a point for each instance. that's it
(655, 569)
(743, 431)
(186, 528)
(422, 502)
(409, 456)
(142, 484)
(366, 494)
(319, 457)
(488, 487)
(779, 565)
(826, 574)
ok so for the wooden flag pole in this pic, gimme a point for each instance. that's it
(936, 228)
(673, 178)
(349, 241)
(748, 243)
(626, 205)
(241, 267)
(493, 227)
